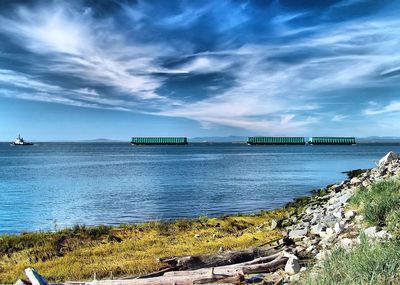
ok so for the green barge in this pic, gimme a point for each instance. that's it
(276, 140)
(332, 140)
(159, 141)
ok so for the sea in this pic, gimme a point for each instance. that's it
(50, 186)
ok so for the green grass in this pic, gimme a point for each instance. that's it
(367, 263)
(379, 202)
(370, 262)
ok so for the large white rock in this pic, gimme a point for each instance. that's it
(383, 235)
(292, 266)
(298, 233)
(339, 227)
(344, 198)
(355, 181)
(389, 157)
(371, 231)
(349, 214)
(317, 229)
(346, 243)
(339, 213)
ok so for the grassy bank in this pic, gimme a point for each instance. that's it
(76, 253)
(372, 261)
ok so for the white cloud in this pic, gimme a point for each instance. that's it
(267, 94)
(204, 64)
(339, 118)
(82, 47)
(88, 91)
(390, 108)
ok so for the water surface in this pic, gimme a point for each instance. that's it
(62, 184)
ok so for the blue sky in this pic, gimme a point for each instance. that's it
(113, 69)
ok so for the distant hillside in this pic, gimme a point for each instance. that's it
(376, 139)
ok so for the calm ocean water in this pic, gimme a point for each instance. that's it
(62, 184)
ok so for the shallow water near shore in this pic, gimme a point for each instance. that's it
(55, 185)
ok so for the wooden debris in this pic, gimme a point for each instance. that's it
(219, 259)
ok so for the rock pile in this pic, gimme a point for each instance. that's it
(325, 223)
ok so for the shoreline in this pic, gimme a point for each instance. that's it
(255, 226)
(104, 249)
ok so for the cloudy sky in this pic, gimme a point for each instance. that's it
(113, 69)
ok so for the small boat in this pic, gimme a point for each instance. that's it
(20, 141)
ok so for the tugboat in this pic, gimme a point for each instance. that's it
(20, 141)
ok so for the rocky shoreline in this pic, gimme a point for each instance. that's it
(326, 223)
(321, 223)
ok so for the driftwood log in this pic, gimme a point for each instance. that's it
(226, 267)
(233, 273)
(260, 265)
(175, 280)
(220, 259)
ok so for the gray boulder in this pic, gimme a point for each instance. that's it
(298, 233)
(389, 157)
(371, 231)
(292, 266)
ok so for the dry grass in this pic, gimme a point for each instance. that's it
(75, 254)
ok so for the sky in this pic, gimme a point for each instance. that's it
(115, 69)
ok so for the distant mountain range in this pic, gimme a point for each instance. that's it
(377, 139)
(101, 140)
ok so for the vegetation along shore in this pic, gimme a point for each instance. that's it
(346, 233)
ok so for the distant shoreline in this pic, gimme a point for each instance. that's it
(207, 142)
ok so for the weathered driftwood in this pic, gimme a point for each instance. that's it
(175, 280)
(152, 274)
(34, 277)
(232, 273)
(265, 267)
(220, 259)
(225, 267)
(260, 265)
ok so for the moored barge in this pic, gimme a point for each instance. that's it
(332, 140)
(159, 141)
(276, 140)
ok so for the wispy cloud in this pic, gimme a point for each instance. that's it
(81, 47)
(390, 108)
(339, 118)
(251, 69)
